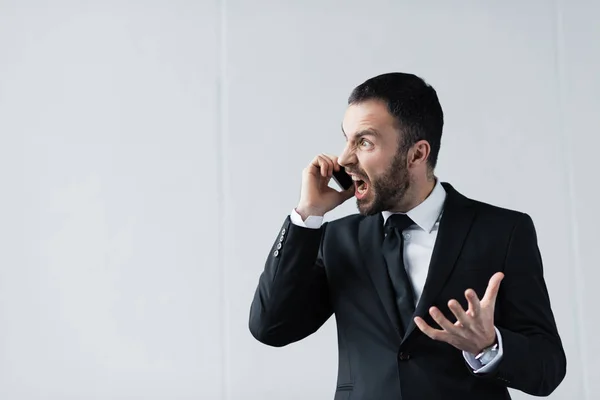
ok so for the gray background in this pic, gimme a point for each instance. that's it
(149, 152)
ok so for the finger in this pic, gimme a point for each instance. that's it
(442, 321)
(474, 304)
(434, 334)
(460, 314)
(323, 166)
(317, 166)
(334, 160)
(328, 163)
(491, 292)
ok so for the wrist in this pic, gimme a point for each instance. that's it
(307, 211)
(487, 354)
(490, 343)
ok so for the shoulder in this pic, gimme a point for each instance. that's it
(489, 213)
(496, 211)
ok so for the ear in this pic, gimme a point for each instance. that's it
(419, 153)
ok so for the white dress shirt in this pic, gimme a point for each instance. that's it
(419, 240)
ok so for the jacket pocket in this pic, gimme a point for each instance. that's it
(344, 387)
(343, 391)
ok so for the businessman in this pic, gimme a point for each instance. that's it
(435, 295)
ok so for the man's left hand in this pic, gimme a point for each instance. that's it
(474, 329)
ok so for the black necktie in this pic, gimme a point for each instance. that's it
(393, 254)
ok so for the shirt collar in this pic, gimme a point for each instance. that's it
(426, 214)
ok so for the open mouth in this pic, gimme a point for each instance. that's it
(361, 188)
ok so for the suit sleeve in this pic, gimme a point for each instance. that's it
(534, 360)
(292, 298)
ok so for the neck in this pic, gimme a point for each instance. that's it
(417, 193)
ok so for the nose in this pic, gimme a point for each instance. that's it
(347, 157)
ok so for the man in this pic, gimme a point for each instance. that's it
(436, 296)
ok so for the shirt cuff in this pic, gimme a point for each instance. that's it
(312, 221)
(477, 366)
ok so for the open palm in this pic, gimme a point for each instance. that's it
(474, 329)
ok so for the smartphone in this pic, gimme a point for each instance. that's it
(342, 178)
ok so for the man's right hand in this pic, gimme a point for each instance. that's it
(316, 197)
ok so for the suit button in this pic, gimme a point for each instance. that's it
(404, 356)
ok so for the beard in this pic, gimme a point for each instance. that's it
(388, 190)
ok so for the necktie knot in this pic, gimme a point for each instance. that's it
(397, 222)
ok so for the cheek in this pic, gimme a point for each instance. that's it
(373, 166)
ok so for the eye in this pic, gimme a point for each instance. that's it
(365, 143)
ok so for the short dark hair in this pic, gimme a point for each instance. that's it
(413, 103)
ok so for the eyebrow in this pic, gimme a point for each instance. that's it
(365, 132)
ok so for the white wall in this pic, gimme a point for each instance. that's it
(149, 152)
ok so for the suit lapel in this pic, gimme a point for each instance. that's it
(370, 238)
(453, 229)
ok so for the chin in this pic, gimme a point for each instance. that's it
(366, 207)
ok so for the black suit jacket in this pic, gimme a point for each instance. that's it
(339, 269)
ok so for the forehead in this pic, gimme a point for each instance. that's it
(368, 115)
